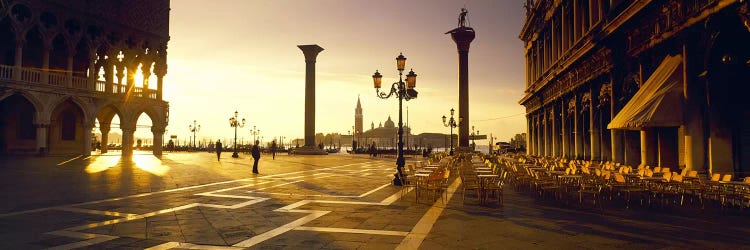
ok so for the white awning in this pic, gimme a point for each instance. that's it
(658, 103)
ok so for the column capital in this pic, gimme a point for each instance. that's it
(311, 51)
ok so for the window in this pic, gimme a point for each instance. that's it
(68, 129)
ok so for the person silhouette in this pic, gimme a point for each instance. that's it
(255, 151)
(273, 149)
(218, 150)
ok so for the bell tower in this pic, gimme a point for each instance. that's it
(358, 118)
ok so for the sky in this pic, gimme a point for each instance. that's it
(239, 55)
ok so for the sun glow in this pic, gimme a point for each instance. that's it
(151, 164)
(101, 163)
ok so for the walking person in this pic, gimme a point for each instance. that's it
(219, 147)
(273, 149)
(256, 156)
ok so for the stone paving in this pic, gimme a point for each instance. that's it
(190, 200)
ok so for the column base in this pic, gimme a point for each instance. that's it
(309, 150)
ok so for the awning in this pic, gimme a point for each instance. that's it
(658, 103)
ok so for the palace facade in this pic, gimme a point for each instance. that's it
(69, 66)
(640, 82)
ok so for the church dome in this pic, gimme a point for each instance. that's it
(389, 123)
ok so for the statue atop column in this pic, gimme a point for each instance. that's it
(462, 18)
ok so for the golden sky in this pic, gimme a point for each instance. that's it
(242, 55)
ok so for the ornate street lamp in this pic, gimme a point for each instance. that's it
(452, 124)
(194, 128)
(404, 91)
(235, 123)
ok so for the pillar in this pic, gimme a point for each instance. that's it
(127, 140)
(120, 74)
(41, 138)
(104, 129)
(564, 144)
(649, 149)
(87, 126)
(545, 133)
(539, 136)
(46, 48)
(667, 145)
(695, 150)
(158, 141)
(20, 41)
(595, 132)
(463, 36)
(578, 127)
(555, 132)
(311, 53)
(529, 135)
(93, 70)
(69, 68)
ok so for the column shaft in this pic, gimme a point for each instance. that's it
(649, 150)
(463, 98)
(87, 139)
(41, 138)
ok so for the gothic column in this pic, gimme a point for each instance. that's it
(46, 48)
(127, 139)
(120, 75)
(158, 140)
(41, 137)
(146, 72)
(69, 68)
(649, 150)
(104, 129)
(160, 69)
(20, 41)
(87, 126)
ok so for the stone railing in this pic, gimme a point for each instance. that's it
(63, 80)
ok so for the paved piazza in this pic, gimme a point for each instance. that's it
(189, 200)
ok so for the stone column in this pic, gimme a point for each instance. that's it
(555, 132)
(104, 129)
(120, 74)
(46, 48)
(127, 140)
(41, 138)
(311, 53)
(545, 133)
(595, 134)
(20, 41)
(87, 126)
(565, 144)
(463, 36)
(539, 135)
(69, 68)
(160, 69)
(695, 150)
(578, 127)
(649, 148)
(529, 135)
(158, 141)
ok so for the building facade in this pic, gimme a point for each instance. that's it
(640, 82)
(68, 65)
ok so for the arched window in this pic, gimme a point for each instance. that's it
(68, 131)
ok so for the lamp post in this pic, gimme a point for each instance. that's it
(452, 124)
(404, 91)
(194, 128)
(235, 123)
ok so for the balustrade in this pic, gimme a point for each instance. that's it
(57, 79)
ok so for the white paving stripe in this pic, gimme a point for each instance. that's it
(417, 235)
(349, 230)
(91, 211)
(92, 239)
(69, 160)
(163, 191)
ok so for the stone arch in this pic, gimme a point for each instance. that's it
(17, 129)
(67, 131)
(29, 97)
(33, 49)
